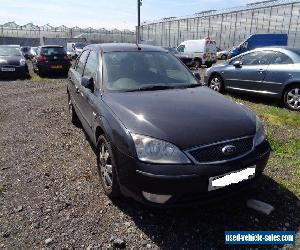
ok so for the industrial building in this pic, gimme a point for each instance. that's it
(228, 27)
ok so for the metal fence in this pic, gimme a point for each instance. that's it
(30, 30)
(228, 27)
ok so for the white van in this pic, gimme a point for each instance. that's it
(204, 51)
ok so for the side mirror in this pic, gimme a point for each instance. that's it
(237, 64)
(197, 75)
(88, 82)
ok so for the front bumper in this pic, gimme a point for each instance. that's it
(18, 71)
(186, 183)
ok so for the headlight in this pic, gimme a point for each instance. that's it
(156, 151)
(22, 62)
(260, 135)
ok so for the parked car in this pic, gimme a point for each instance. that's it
(270, 71)
(204, 51)
(186, 59)
(12, 62)
(258, 41)
(51, 58)
(222, 54)
(152, 126)
(26, 52)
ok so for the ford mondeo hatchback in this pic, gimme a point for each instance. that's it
(161, 137)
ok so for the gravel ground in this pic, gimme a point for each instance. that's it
(51, 197)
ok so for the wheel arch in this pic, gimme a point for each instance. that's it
(216, 73)
(288, 85)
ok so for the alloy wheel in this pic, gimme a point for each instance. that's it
(215, 84)
(293, 98)
(106, 166)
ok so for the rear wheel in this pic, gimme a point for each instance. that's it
(291, 97)
(107, 168)
(216, 83)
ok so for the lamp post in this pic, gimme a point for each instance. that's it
(138, 36)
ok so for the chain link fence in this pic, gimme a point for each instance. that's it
(228, 27)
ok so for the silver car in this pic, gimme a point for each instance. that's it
(269, 71)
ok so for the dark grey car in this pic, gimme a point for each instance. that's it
(151, 125)
(269, 71)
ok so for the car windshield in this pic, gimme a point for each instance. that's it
(10, 51)
(172, 50)
(25, 49)
(134, 71)
(48, 51)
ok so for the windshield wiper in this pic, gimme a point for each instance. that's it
(190, 86)
(151, 87)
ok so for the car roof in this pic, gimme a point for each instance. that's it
(51, 46)
(275, 48)
(294, 53)
(123, 47)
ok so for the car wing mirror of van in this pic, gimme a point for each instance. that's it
(88, 82)
(237, 64)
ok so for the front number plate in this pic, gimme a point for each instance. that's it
(234, 177)
(8, 69)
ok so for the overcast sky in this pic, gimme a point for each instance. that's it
(119, 14)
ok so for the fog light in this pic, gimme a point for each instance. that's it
(157, 198)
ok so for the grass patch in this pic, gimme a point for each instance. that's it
(36, 78)
(285, 161)
(283, 132)
(280, 117)
(285, 148)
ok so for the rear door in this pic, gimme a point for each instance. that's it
(279, 72)
(251, 74)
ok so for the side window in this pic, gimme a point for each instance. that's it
(91, 65)
(280, 58)
(257, 58)
(181, 48)
(81, 62)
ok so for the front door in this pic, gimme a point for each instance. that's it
(88, 95)
(250, 74)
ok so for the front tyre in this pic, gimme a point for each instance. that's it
(291, 98)
(107, 168)
(216, 83)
